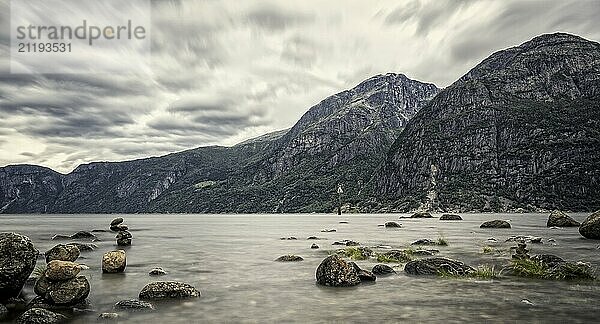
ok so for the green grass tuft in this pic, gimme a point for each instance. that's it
(485, 272)
(529, 268)
(442, 241)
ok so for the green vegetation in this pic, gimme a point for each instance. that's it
(485, 272)
(564, 271)
(490, 249)
(356, 253)
(396, 256)
(442, 241)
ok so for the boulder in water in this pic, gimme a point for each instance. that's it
(62, 252)
(392, 224)
(436, 266)
(421, 215)
(495, 224)
(363, 275)
(450, 217)
(17, 260)
(83, 235)
(168, 289)
(40, 316)
(314, 246)
(114, 261)
(123, 238)
(134, 305)
(289, 258)
(157, 272)
(382, 269)
(335, 272)
(560, 219)
(118, 228)
(590, 228)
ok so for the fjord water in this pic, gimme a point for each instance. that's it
(229, 258)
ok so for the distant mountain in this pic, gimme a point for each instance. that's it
(342, 140)
(520, 130)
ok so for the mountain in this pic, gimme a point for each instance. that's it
(520, 130)
(342, 140)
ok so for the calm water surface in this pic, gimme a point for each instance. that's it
(229, 258)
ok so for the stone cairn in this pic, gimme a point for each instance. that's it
(123, 235)
(521, 251)
(60, 284)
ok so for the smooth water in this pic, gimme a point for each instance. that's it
(229, 258)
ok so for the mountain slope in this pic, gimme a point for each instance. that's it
(520, 130)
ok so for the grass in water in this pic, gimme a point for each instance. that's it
(529, 268)
(394, 256)
(357, 253)
(442, 241)
(482, 272)
(490, 249)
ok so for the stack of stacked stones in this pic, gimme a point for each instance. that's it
(60, 284)
(123, 235)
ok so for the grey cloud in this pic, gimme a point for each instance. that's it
(273, 18)
(300, 50)
(427, 16)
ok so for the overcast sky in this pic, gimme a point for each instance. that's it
(225, 71)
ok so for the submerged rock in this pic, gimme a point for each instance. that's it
(436, 266)
(560, 219)
(421, 215)
(134, 305)
(40, 316)
(495, 224)
(84, 247)
(168, 289)
(346, 243)
(329, 230)
(289, 258)
(108, 317)
(528, 239)
(335, 272)
(424, 242)
(114, 261)
(314, 246)
(157, 272)
(590, 228)
(288, 238)
(392, 224)
(83, 235)
(450, 217)
(17, 261)
(62, 270)
(382, 269)
(62, 252)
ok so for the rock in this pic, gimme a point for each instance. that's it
(527, 302)
(3, 312)
(157, 272)
(69, 292)
(119, 228)
(116, 221)
(560, 219)
(392, 224)
(288, 238)
(495, 224)
(114, 261)
(394, 256)
(548, 259)
(84, 247)
(590, 228)
(83, 235)
(343, 222)
(168, 289)
(108, 317)
(572, 271)
(123, 238)
(62, 252)
(363, 275)
(328, 230)
(527, 239)
(421, 215)
(41, 285)
(382, 269)
(62, 270)
(17, 261)
(423, 252)
(40, 316)
(134, 305)
(450, 217)
(313, 238)
(521, 252)
(334, 271)
(314, 246)
(289, 258)
(424, 242)
(437, 265)
(386, 247)
(346, 243)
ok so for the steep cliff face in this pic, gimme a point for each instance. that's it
(521, 129)
(28, 189)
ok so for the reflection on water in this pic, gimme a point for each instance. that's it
(229, 258)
